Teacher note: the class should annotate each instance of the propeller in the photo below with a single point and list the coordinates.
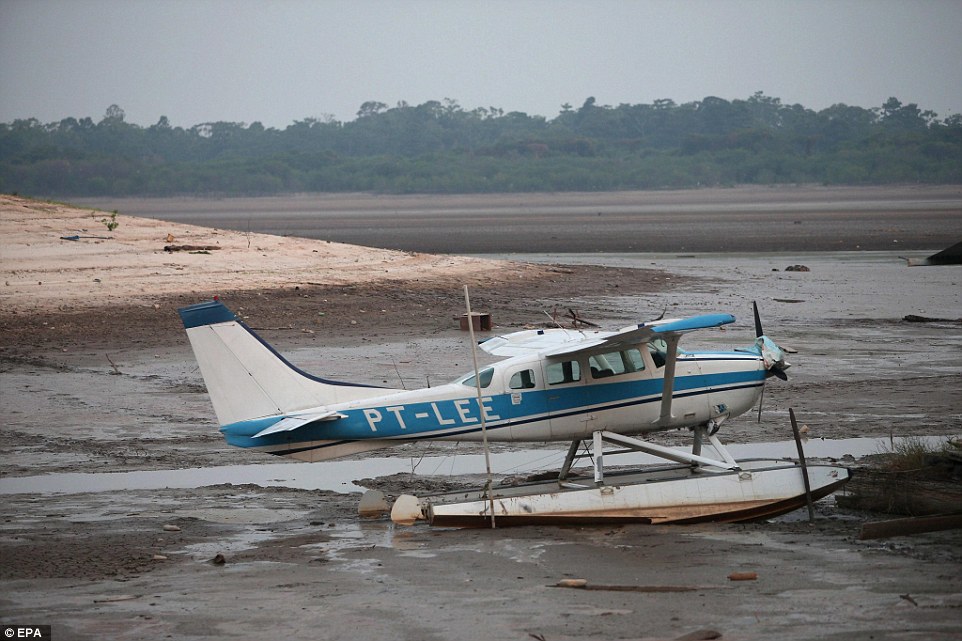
(758, 321)
(772, 354)
(761, 401)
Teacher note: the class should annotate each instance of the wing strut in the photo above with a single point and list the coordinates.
(668, 390)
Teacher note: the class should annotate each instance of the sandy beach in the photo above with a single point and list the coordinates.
(62, 258)
(96, 378)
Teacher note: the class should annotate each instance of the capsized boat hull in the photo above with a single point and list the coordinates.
(675, 494)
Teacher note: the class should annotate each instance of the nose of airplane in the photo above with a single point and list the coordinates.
(772, 354)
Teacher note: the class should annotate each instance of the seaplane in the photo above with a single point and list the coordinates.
(590, 389)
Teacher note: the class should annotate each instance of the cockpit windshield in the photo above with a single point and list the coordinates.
(659, 350)
(485, 377)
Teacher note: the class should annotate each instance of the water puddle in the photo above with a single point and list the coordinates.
(339, 476)
(233, 544)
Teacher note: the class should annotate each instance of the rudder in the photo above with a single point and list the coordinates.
(246, 378)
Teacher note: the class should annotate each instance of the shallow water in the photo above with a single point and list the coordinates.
(339, 476)
(844, 316)
(729, 219)
(840, 285)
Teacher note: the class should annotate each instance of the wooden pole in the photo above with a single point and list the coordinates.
(477, 386)
(801, 460)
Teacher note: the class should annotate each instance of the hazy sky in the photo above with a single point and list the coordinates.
(284, 60)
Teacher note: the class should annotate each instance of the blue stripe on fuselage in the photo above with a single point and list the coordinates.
(461, 416)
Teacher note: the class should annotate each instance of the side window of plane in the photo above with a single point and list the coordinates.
(560, 373)
(522, 380)
(616, 363)
(486, 376)
(633, 357)
(605, 365)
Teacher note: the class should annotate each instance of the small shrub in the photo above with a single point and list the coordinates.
(111, 222)
(915, 453)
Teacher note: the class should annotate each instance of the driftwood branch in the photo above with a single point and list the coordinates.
(190, 248)
(581, 584)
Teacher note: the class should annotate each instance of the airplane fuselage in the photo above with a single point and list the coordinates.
(531, 398)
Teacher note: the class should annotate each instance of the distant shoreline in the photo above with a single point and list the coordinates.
(737, 219)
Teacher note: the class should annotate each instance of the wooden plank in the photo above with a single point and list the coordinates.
(905, 527)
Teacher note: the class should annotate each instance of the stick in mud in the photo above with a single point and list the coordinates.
(801, 460)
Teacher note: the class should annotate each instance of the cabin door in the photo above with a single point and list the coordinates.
(566, 398)
(526, 408)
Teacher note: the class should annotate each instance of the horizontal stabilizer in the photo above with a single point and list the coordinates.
(294, 422)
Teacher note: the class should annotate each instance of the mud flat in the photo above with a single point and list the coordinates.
(96, 377)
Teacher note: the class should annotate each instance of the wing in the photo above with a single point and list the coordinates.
(297, 420)
(561, 342)
(538, 341)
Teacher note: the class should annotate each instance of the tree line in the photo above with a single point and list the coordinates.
(440, 147)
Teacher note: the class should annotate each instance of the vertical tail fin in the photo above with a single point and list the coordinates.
(246, 378)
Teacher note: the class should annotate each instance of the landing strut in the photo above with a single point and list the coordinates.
(628, 444)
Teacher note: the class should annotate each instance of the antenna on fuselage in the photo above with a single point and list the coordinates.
(398, 372)
(554, 320)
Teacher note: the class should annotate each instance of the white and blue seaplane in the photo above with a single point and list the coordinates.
(586, 388)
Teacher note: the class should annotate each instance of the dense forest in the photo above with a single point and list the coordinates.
(439, 147)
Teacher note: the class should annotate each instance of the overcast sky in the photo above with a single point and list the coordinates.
(279, 61)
